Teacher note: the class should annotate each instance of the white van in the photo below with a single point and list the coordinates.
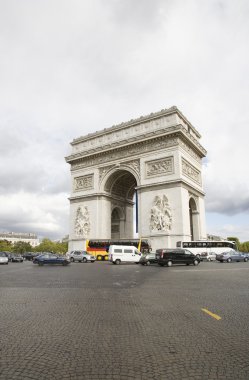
(124, 254)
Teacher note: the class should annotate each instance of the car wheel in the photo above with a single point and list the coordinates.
(169, 263)
(64, 263)
(148, 262)
(196, 262)
(208, 259)
(229, 260)
(187, 263)
(71, 259)
(161, 265)
(99, 258)
(40, 263)
(117, 261)
(92, 261)
(198, 256)
(84, 260)
(245, 259)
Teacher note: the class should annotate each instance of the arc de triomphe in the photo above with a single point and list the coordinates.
(154, 162)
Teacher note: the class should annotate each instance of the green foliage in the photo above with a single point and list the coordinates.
(6, 245)
(22, 247)
(236, 240)
(244, 247)
(50, 246)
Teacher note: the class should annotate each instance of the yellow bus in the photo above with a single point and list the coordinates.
(100, 247)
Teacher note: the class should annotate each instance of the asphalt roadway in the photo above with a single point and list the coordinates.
(103, 321)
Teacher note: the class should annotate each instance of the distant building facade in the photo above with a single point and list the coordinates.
(14, 237)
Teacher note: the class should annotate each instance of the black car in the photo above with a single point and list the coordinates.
(29, 256)
(172, 256)
(149, 258)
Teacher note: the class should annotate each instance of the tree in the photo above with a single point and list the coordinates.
(50, 246)
(22, 247)
(235, 239)
(5, 245)
(244, 247)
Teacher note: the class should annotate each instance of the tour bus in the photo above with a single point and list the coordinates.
(203, 247)
(100, 247)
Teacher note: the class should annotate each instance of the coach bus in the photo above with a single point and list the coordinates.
(100, 247)
(201, 247)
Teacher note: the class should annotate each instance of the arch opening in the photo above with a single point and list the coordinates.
(121, 186)
(193, 219)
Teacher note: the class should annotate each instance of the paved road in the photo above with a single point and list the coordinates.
(100, 321)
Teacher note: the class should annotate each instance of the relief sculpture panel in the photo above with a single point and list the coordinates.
(83, 183)
(82, 222)
(191, 172)
(160, 215)
(160, 167)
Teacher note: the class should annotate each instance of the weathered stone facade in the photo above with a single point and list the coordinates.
(158, 156)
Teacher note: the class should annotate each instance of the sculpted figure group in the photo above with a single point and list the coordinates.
(161, 217)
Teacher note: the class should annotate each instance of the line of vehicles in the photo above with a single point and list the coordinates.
(138, 251)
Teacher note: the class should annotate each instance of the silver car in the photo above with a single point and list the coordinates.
(4, 258)
(208, 256)
(81, 257)
(231, 256)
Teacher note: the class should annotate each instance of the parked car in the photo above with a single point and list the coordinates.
(29, 256)
(16, 258)
(148, 259)
(4, 258)
(172, 256)
(230, 256)
(81, 257)
(50, 258)
(208, 256)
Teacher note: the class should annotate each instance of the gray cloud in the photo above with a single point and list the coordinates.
(68, 68)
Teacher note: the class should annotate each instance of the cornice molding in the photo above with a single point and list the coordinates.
(138, 139)
(136, 121)
(177, 136)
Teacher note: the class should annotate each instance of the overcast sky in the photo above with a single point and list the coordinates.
(70, 67)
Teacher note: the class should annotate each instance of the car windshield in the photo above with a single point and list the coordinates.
(2, 254)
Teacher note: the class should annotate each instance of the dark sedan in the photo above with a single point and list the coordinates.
(50, 258)
(231, 256)
(148, 259)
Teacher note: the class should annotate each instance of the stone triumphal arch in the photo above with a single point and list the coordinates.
(155, 163)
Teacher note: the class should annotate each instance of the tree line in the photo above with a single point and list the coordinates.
(46, 245)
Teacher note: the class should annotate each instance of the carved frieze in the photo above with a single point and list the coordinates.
(160, 215)
(126, 151)
(82, 222)
(191, 172)
(160, 167)
(83, 183)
